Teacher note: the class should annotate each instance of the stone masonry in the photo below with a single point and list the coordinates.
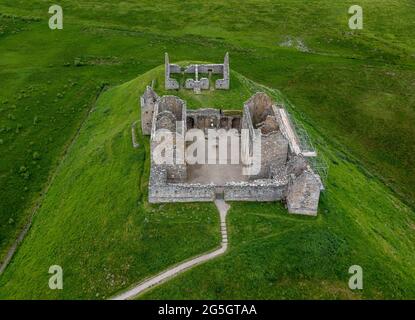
(197, 83)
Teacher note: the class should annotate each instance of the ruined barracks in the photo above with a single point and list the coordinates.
(285, 173)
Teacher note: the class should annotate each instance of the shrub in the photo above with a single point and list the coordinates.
(77, 62)
(24, 172)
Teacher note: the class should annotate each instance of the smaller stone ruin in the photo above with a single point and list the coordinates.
(197, 83)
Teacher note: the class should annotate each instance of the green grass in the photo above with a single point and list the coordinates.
(355, 89)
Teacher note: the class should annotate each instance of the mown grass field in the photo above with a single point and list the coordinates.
(354, 90)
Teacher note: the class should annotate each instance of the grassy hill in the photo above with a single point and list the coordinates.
(358, 86)
(96, 223)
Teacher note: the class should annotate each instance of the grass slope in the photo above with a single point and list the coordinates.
(95, 223)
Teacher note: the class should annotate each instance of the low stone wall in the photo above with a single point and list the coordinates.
(214, 68)
(172, 84)
(284, 175)
(304, 193)
(147, 104)
(258, 190)
(222, 84)
(202, 84)
(170, 68)
(274, 151)
(205, 68)
(175, 68)
(196, 84)
(160, 190)
(180, 192)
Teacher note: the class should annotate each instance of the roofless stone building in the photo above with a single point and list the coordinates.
(284, 172)
(196, 83)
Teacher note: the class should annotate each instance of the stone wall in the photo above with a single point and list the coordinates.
(159, 190)
(204, 68)
(147, 102)
(303, 193)
(257, 114)
(224, 83)
(284, 174)
(257, 190)
(209, 118)
(169, 83)
(274, 151)
(173, 105)
(181, 192)
(259, 107)
(175, 68)
(202, 84)
(172, 84)
(169, 114)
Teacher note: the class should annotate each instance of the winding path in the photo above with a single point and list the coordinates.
(223, 208)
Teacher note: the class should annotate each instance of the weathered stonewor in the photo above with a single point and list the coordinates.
(147, 103)
(197, 84)
(303, 193)
(224, 83)
(169, 83)
(284, 171)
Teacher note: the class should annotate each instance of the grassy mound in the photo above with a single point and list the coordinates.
(95, 222)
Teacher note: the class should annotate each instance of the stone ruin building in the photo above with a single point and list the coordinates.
(284, 175)
(197, 83)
